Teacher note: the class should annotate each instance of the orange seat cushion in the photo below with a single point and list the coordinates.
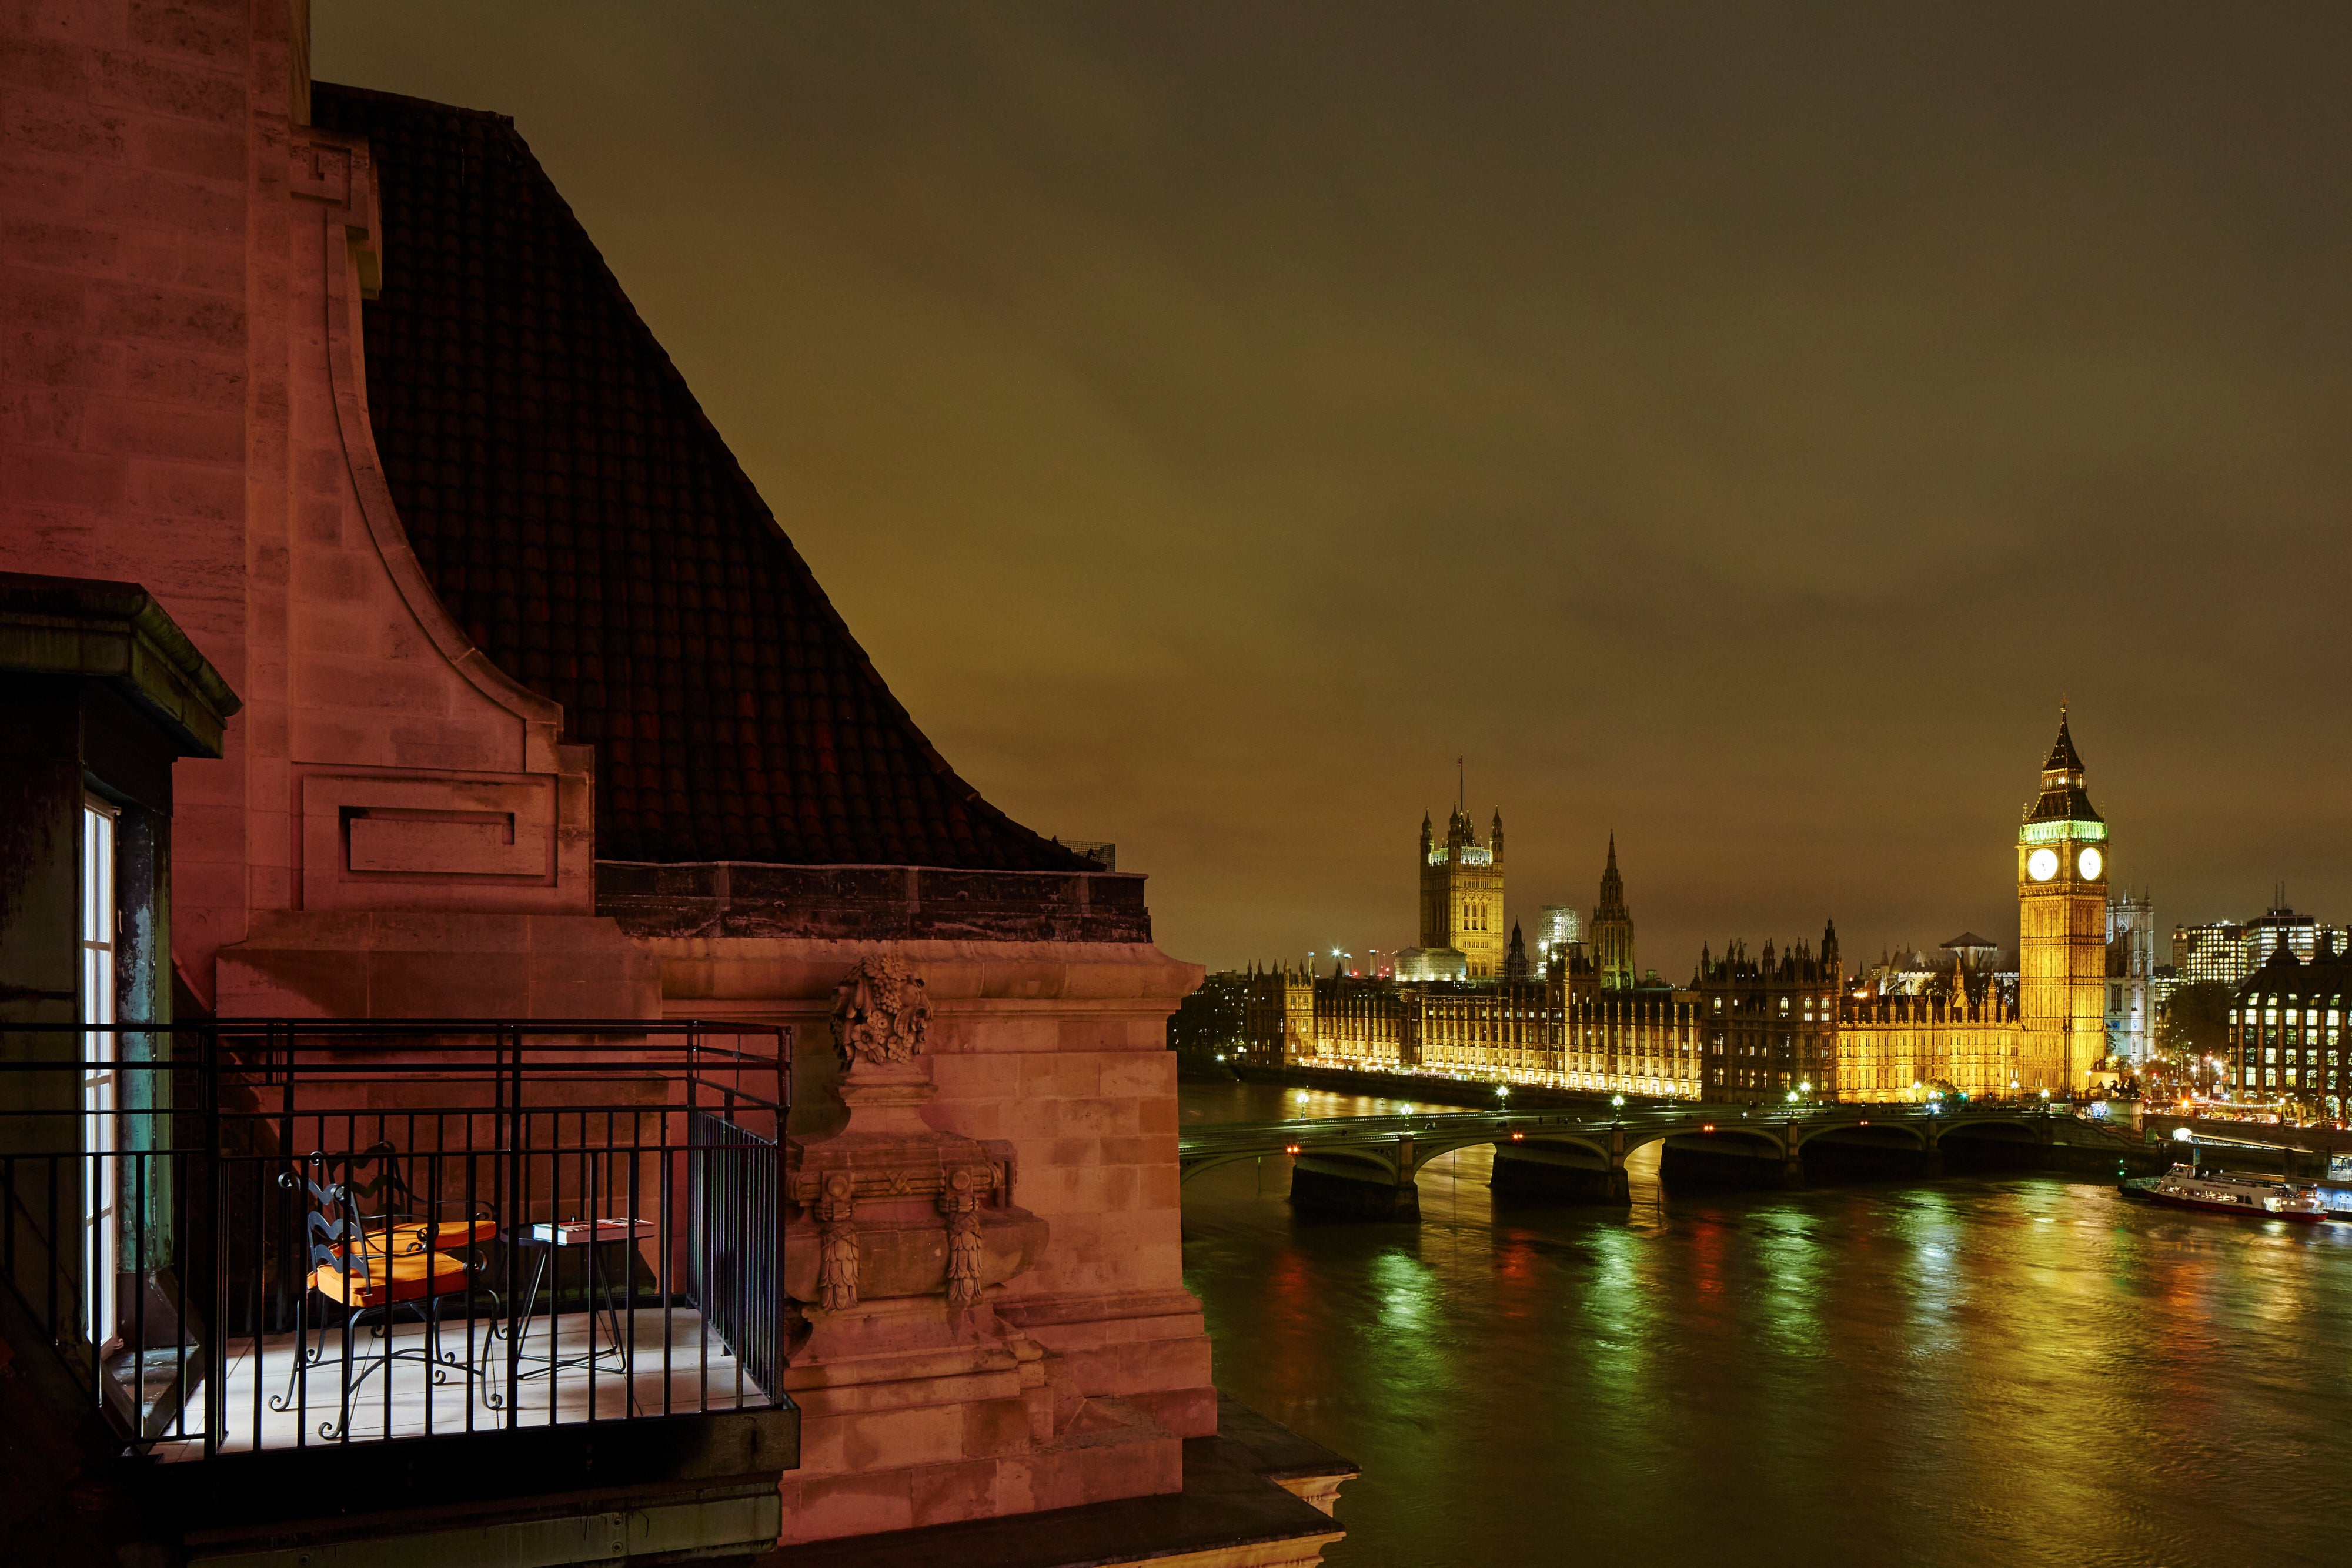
(404, 1277)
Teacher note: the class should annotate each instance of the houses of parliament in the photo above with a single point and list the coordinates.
(1467, 1002)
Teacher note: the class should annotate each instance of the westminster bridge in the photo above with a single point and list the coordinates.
(1367, 1165)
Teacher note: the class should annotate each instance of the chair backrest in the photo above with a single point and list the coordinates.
(331, 1225)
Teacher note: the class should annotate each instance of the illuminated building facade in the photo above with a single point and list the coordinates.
(2286, 1026)
(1769, 1025)
(1612, 929)
(2228, 952)
(1461, 902)
(1559, 928)
(2132, 992)
(2061, 952)
(1917, 1028)
(1628, 1041)
(1957, 1036)
(1755, 1030)
(1296, 1017)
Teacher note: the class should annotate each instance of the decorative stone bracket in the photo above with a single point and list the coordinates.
(890, 1206)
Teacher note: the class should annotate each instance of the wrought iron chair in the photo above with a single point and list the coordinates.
(392, 1259)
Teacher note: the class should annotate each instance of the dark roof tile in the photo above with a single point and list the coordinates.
(586, 525)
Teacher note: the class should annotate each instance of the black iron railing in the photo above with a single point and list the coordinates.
(279, 1234)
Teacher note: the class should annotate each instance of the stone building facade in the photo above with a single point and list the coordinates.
(1461, 903)
(1771, 1024)
(545, 717)
(2062, 889)
(1611, 935)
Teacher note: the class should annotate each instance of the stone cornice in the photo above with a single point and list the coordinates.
(115, 632)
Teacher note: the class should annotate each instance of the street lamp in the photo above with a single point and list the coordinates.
(1502, 1092)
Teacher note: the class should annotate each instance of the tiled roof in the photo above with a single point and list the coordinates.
(2062, 754)
(585, 523)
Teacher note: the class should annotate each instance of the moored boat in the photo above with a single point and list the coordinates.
(2243, 1193)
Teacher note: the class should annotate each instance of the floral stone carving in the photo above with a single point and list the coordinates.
(880, 1013)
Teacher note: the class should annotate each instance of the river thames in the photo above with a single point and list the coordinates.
(2014, 1369)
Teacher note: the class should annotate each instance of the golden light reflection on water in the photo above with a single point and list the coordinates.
(2004, 1370)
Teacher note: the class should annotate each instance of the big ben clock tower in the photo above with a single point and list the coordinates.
(2062, 897)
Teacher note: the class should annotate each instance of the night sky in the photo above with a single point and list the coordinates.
(1736, 425)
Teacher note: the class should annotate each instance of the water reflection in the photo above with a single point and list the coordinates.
(2010, 1370)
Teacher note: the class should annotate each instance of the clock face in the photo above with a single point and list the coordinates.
(2090, 863)
(2042, 864)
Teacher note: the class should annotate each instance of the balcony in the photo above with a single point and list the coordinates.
(308, 1272)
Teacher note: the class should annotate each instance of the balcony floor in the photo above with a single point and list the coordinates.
(700, 1375)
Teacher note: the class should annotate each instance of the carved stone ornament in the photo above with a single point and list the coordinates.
(837, 1257)
(880, 1013)
(959, 1202)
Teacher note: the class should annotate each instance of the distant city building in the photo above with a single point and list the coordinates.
(1515, 962)
(1567, 1025)
(2131, 975)
(2227, 952)
(2286, 1025)
(1558, 926)
(1433, 964)
(1212, 1024)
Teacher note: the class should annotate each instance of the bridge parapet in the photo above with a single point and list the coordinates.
(1574, 1154)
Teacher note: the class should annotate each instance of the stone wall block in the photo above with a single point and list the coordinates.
(992, 1428)
(174, 27)
(1097, 1115)
(175, 148)
(55, 477)
(193, 492)
(37, 416)
(38, 185)
(78, 247)
(941, 1494)
(169, 201)
(30, 358)
(822, 1509)
(1091, 1033)
(1135, 1469)
(43, 301)
(1186, 1412)
(176, 434)
(125, 78)
(50, 65)
(924, 1435)
(1140, 1076)
(65, 126)
(184, 317)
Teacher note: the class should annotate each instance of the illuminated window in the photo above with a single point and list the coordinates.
(99, 1176)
